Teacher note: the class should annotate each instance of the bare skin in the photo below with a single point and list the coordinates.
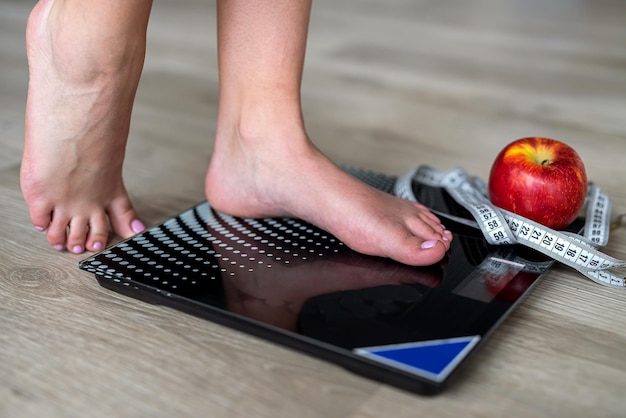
(85, 62)
(263, 164)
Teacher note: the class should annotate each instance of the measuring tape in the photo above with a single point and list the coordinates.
(501, 227)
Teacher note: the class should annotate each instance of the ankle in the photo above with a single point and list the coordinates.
(264, 127)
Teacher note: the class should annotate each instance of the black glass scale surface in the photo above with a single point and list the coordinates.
(291, 283)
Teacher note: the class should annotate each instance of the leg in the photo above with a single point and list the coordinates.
(265, 165)
(85, 60)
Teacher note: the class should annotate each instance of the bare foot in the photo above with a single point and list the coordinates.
(285, 175)
(77, 122)
(263, 163)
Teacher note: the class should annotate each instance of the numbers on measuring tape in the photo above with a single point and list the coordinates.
(598, 216)
(502, 227)
(524, 231)
(571, 254)
(536, 236)
(548, 241)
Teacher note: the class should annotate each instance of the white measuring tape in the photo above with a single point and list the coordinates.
(501, 227)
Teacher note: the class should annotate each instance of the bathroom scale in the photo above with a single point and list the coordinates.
(289, 282)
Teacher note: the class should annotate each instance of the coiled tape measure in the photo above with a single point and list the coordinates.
(501, 227)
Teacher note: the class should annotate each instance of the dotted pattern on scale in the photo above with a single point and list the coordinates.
(202, 244)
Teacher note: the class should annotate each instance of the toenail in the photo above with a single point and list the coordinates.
(39, 228)
(97, 245)
(58, 247)
(429, 244)
(77, 249)
(137, 226)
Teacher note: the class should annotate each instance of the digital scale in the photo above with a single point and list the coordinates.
(293, 284)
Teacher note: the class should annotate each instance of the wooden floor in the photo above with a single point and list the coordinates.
(388, 85)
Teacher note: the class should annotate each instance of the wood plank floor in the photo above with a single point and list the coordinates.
(388, 85)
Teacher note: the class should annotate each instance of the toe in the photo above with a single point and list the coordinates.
(423, 214)
(57, 231)
(98, 234)
(418, 252)
(428, 227)
(40, 216)
(427, 244)
(78, 234)
(124, 219)
(426, 212)
(425, 229)
(425, 253)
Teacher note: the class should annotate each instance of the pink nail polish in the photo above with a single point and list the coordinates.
(429, 244)
(77, 249)
(39, 228)
(97, 245)
(58, 247)
(137, 226)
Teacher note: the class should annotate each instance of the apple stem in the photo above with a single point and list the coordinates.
(546, 162)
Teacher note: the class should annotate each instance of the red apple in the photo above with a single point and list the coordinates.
(541, 179)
